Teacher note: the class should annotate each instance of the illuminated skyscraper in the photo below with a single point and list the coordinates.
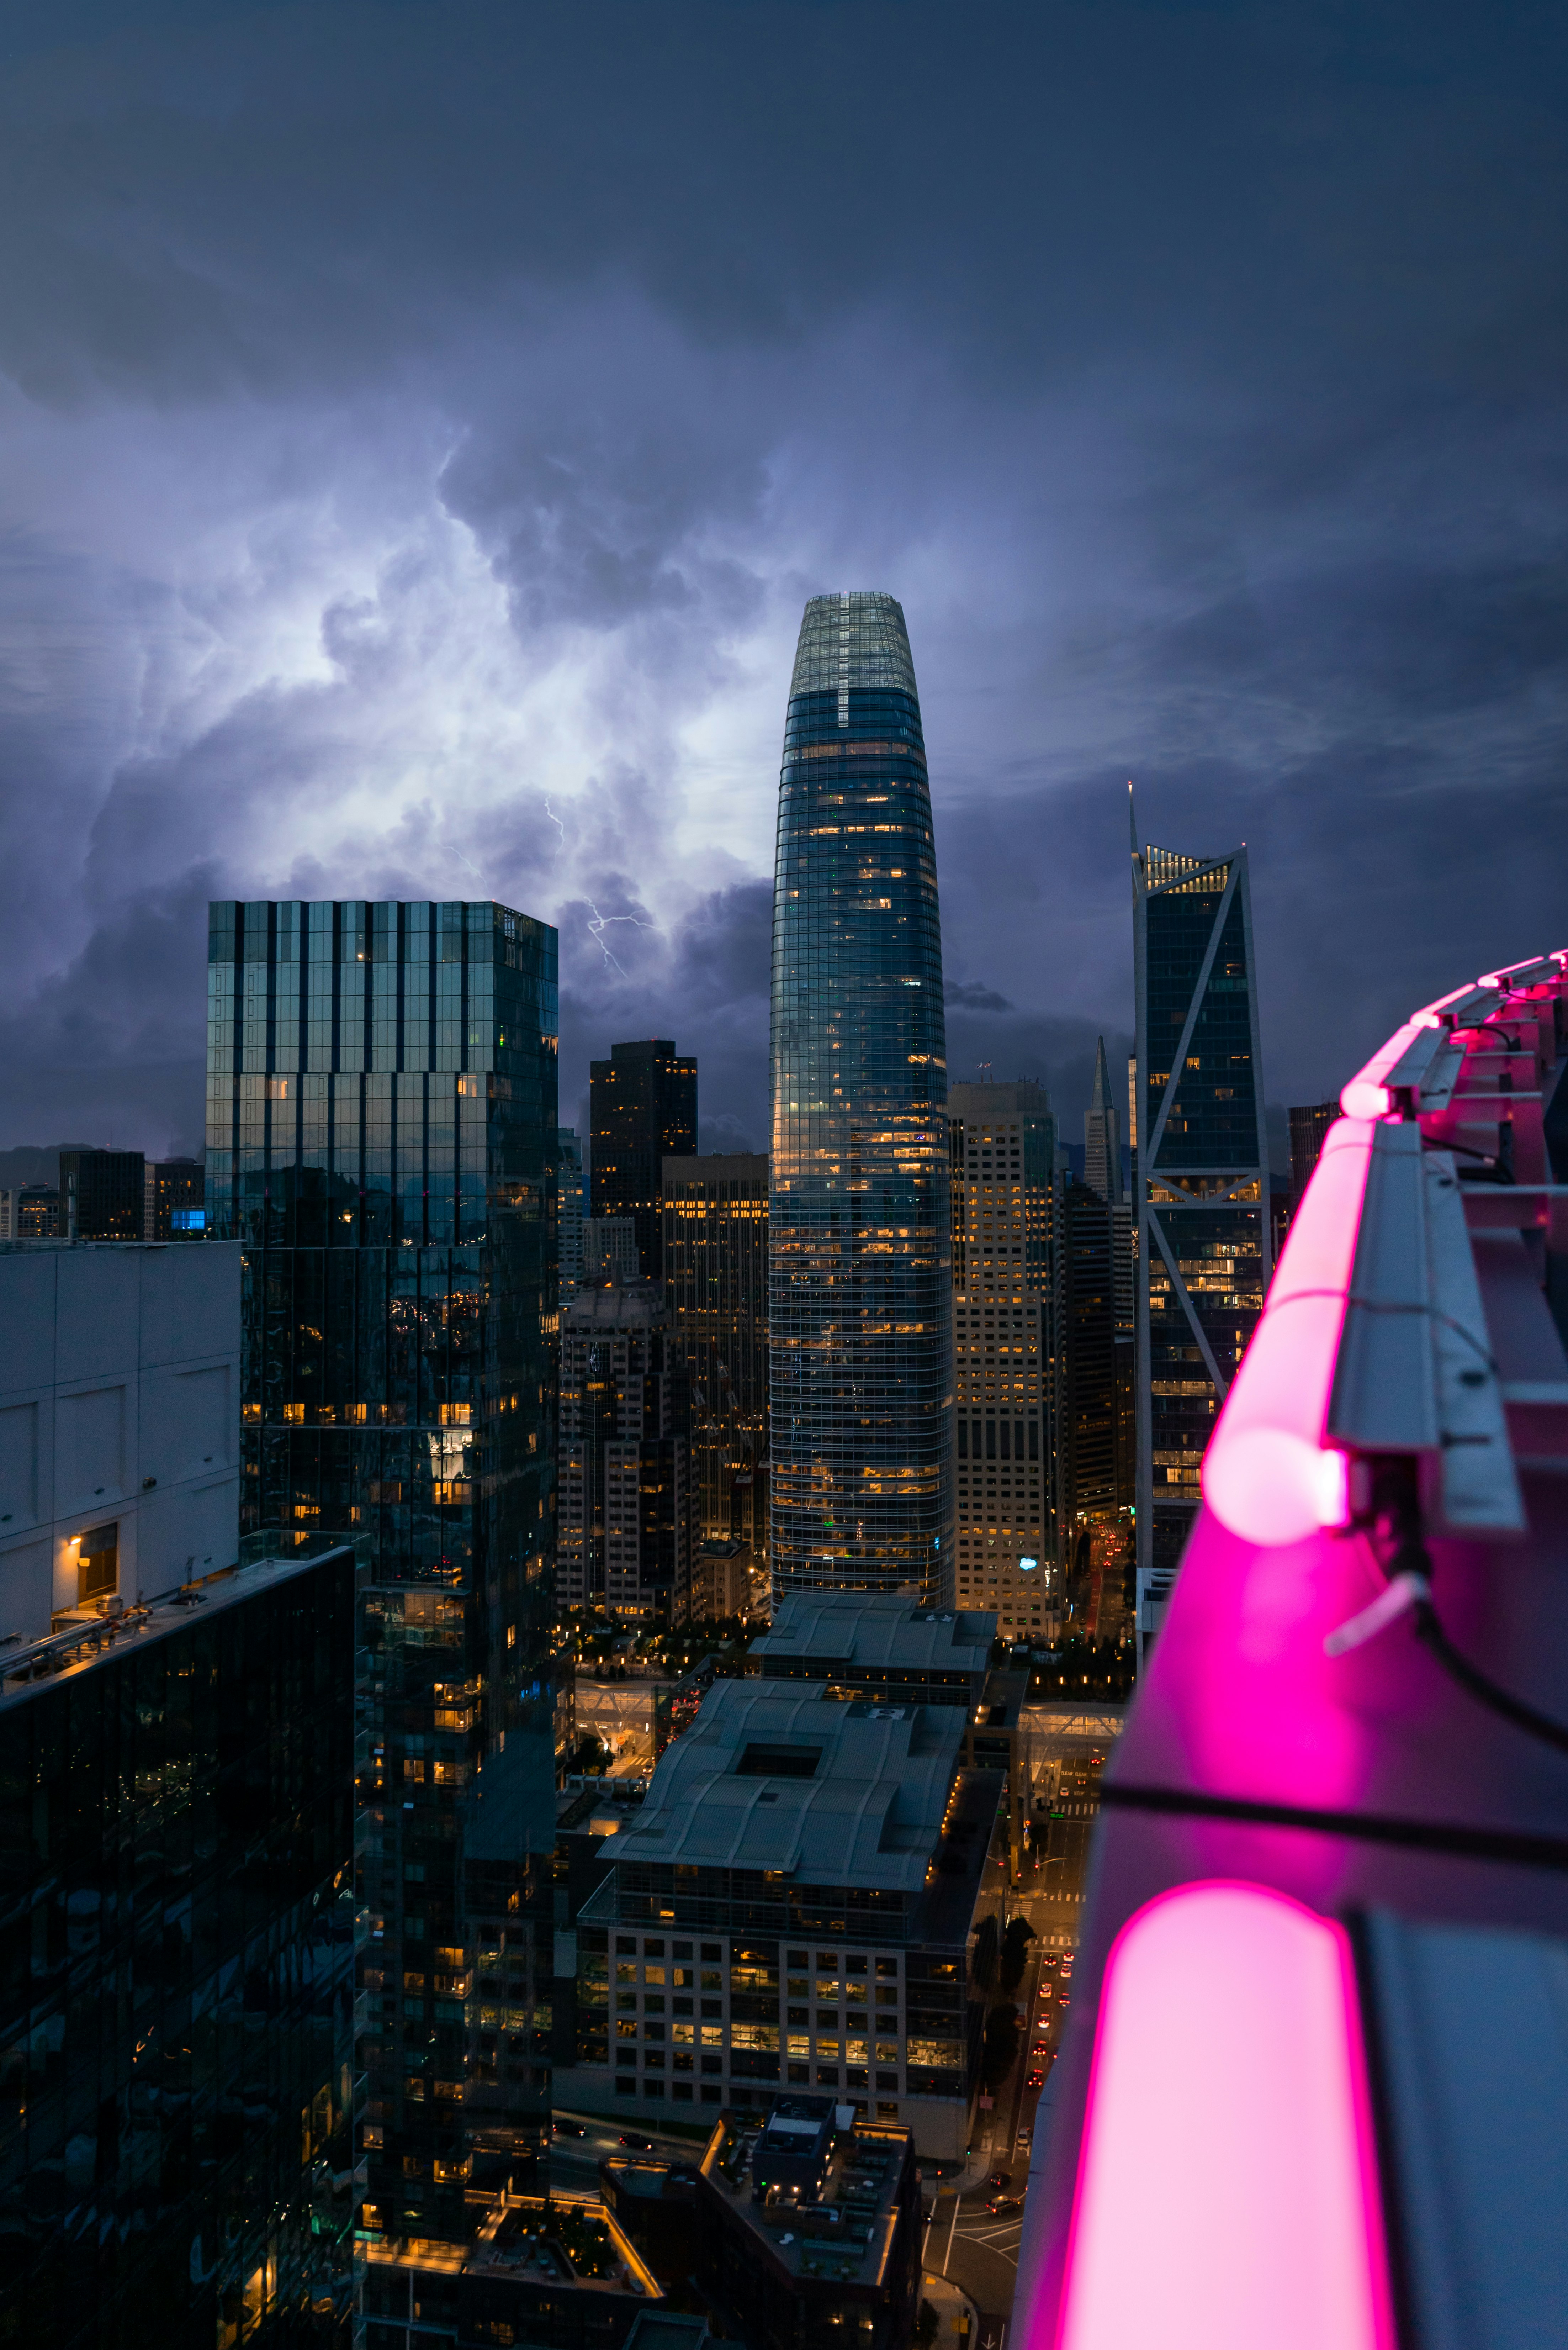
(716, 1279)
(1005, 1182)
(860, 1312)
(643, 1105)
(1202, 1170)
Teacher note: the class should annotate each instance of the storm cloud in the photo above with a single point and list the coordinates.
(421, 424)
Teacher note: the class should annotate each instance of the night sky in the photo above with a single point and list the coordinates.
(421, 425)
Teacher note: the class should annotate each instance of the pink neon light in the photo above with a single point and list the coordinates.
(1266, 1473)
(1227, 2194)
(1366, 1096)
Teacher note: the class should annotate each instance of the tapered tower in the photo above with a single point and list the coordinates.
(860, 1279)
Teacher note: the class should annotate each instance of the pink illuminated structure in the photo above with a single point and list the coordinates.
(1229, 2104)
(1314, 2086)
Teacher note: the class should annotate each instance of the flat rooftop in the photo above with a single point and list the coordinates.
(845, 2235)
(795, 1781)
(562, 2242)
(836, 1630)
(101, 1640)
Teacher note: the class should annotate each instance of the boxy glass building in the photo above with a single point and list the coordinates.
(381, 1137)
(860, 1305)
(177, 1945)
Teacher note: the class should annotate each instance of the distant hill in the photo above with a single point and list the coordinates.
(34, 1163)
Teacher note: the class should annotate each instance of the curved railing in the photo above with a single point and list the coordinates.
(1335, 1831)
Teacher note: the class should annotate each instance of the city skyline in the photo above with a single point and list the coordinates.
(461, 605)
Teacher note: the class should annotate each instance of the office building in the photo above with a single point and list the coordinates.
(573, 1205)
(643, 1105)
(1003, 1139)
(1309, 1124)
(102, 1194)
(809, 2227)
(608, 1251)
(1094, 1407)
(382, 1136)
(627, 1508)
(877, 1647)
(1203, 1241)
(120, 1413)
(860, 1303)
(174, 1200)
(177, 2129)
(716, 1279)
(793, 1907)
(30, 1212)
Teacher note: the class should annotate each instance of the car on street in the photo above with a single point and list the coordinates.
(1036, 2080)
(1001, 2203)
(638, 2145)
(1000, 2179)
(568, 2130)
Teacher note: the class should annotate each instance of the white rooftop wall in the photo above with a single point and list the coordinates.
(120, 1386)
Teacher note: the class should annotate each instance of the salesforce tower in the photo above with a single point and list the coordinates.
(860, 1291)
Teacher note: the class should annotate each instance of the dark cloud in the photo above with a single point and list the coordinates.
(421, 425)
(974, 997)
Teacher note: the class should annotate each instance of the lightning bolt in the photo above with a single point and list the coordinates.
(601, 923)
(555, 819)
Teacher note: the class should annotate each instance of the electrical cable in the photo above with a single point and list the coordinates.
(1407, 1573)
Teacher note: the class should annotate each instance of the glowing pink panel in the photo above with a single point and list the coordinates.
(1265, 1473)
(1227, 2194)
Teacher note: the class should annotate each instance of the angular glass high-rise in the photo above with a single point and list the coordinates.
(860, 1271)
(382, 1136)
(1203, 1242)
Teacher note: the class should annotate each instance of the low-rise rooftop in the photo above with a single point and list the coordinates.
(830, 1631)
(803, 1783)
(839, 2227)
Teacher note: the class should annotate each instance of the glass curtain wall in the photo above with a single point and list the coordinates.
(860, 1306)
(177, 1992)
(382, 1136)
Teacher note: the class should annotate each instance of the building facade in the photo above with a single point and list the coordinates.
(626, 1505)
(643, 1107)
(381, 1137)
(1309, 1124)
(1103, 1135)
(1003, 1139)
(120, 1417)
(102, 1194)
(1095, 1404)
(860, 1305)
(572, 1207)
(177, 2129)
(793, 1907)
(608, 1251)
(1203, 1240)
(174, 1200)
(716, 1280)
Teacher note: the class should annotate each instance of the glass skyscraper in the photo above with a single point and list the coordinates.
(860, 1274)
(1201, 1175)
(381, 1137)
